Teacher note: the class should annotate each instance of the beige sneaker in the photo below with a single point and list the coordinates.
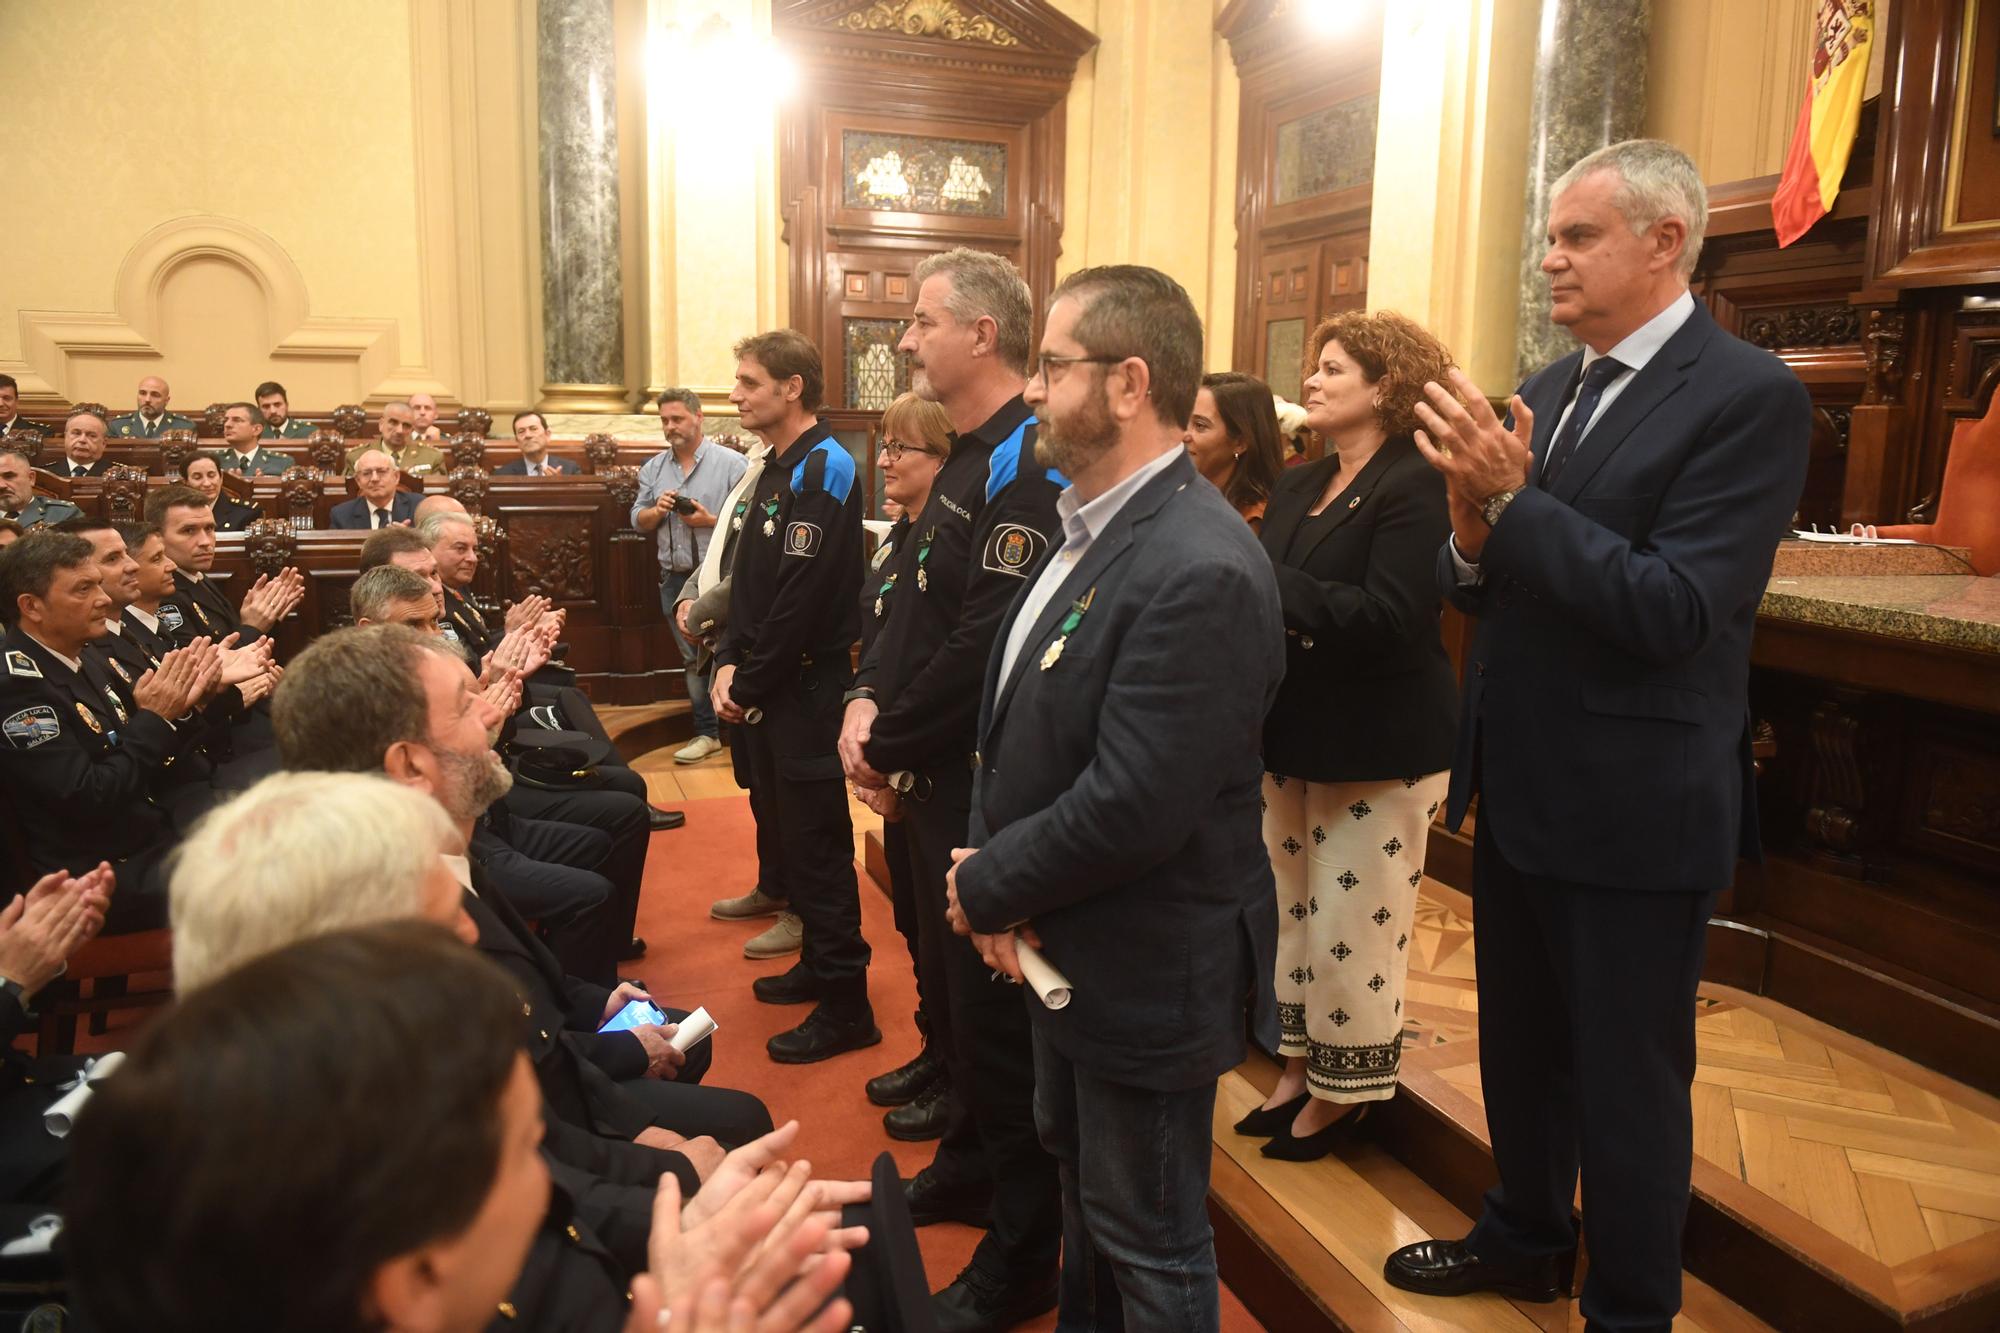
(785, 936)
(752, 904)
(698, 749)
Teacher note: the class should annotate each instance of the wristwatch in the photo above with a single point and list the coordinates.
(858, 692)
(15, 990)
(1496, 505)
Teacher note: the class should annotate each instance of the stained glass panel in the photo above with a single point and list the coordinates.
(1284, 356)
(913, 173)
(1331, 149)
(876, 371)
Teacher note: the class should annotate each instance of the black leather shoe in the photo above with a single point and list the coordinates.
(658, 820)
(1283, 1147)
(931, 1201)
(635, 949)
(795, 985)
(1263, 1122)
(905, 1083)
(1447, 1268)
(979, 1303)
(824, 1035)
(925, 1118)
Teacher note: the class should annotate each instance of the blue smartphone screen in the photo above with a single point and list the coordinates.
(638, 1013)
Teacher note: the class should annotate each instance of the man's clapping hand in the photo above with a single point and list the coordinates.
(243, 664)
(170, 689)
(525, 612)
(271, 600)
(40, 929)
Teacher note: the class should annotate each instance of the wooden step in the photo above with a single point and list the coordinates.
(1302, 1243)
(638, 728)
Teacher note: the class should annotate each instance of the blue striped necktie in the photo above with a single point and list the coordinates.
(1596, 380)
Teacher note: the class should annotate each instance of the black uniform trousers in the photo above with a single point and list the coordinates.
(618, 812)
(795, 762)
(770, 849)
(903, 901)
(1586, 1053)
(979, 1026)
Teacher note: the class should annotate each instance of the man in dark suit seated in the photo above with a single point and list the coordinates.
(1115, 818)
(1611, 539)
(199, 607)
(83, 446)
(379, 503)
(152, 419)
(531, 432)
(204, 473)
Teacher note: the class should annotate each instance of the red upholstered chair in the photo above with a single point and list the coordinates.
(107, 965)
(1968, 505)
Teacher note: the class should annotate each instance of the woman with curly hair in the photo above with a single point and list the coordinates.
(1232, 437)
(1358, 745)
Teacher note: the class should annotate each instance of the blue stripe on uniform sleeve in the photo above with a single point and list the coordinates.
(836, 470)
(1004, 464)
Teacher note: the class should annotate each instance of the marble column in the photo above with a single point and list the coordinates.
(583, 299)
(1590, 90)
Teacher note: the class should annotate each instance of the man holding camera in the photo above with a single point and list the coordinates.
(680, 490)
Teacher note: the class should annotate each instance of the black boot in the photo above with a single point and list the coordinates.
(925, 1118)
(979, 1302)
(933, 1200)
(906, 1083)
(794, 986)
(829, 1030)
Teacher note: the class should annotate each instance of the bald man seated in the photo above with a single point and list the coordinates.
(397, 429)
(152, 419)
(380, 503)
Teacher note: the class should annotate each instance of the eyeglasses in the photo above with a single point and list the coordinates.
(1047, 359)
(894, 450)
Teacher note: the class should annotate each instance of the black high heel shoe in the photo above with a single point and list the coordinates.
(1286, 1148)
(1263, 1122)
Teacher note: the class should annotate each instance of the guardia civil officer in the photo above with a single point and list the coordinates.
(794, 611)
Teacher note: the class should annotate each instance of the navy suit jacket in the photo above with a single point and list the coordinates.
(519, 467)
(1606, 724)
(1116, 803)
(356, 513)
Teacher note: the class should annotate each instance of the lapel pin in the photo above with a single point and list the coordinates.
(1355, 503)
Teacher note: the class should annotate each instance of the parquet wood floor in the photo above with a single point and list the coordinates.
(1885, 1160)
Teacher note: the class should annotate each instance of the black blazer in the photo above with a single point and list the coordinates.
(1368, 692)
(233, 515)
(355, 513)
(1116, 798)
(1607, 719)
(519, 467)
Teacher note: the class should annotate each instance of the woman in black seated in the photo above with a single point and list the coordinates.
(1358, 745)
(204, 473)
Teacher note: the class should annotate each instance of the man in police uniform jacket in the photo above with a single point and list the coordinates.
(1116, 813)
(80, 778)
(794, 611)
(199, 607)
(914, 713)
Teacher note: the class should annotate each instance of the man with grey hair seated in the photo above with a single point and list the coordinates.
(392, 595)
(1611, 539)
(388, 699)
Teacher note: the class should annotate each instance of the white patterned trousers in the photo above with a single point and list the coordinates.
(1348, 857)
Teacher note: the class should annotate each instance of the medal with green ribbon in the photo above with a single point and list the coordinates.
(888, 586)
(771, 517)
(1077, 610)
(923, 554)
(736, 519)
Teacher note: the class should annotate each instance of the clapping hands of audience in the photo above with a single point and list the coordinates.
(525, 612)
(240, 665)
(270, 600)
(260, 687)
(40, 929)
(184, 675)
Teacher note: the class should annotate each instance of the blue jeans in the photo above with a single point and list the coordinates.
(697, 681)
(1137, 1251)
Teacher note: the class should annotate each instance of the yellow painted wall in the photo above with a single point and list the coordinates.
(328, 194)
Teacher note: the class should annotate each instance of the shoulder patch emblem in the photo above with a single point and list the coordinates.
(170, 616)
(802, 539)
(31, 727)
(20, 664)
(1013, 549)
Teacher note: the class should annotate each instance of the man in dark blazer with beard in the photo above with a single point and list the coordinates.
(1611, 540)
(1115, 821)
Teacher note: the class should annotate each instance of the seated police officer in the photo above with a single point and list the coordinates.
(198, 606)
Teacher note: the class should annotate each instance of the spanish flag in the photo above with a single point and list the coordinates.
(1843, 30)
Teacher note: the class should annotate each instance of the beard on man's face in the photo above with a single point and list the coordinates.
(475, 781)
(1072, 442)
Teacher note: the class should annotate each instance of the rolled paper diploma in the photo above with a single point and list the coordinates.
(61, 1116)
(1050, 986)
(753, 715)
(694, 1028)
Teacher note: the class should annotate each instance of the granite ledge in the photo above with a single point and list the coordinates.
(1948, 610)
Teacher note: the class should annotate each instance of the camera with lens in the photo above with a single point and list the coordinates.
(682, 505)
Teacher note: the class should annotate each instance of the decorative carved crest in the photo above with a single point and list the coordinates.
(98, 410)
(124, 493)
(558, 567)
(176, 447)
(475, 421)
(211, 419)
(1884, 343)
(466, 449)
(326, 449)
(599, 451)
(298, 490)
(467, 485)
(270, 543)
(350, 419)
(928, 18)
(1826, 325)
(622, 485)
(486, 535)
(28, 442)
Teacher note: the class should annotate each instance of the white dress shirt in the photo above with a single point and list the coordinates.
(1082, 524)
(1637, 349)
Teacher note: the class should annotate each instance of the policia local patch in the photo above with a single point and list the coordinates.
(802, 539)
(1013, 549)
